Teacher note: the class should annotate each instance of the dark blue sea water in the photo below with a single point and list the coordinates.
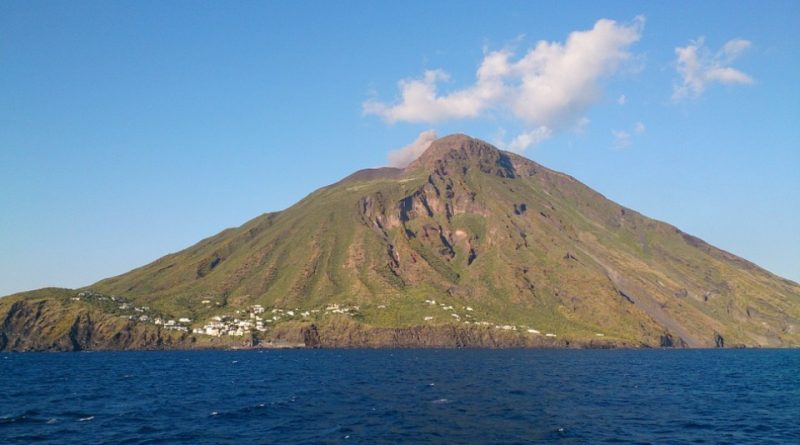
(402, 396)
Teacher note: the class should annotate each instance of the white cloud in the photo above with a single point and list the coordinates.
(550, 86)
(559, 82)
(699, 68)
(403, 156)
(421, 102)
(527, 139)
(622, 99)
(622, 138)
(581, 125)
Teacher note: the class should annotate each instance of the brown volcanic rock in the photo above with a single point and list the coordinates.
(457, 153)
(42, 326)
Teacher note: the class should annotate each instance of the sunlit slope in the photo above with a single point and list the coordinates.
(469, 225)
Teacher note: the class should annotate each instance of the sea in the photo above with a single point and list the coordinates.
(409, 396)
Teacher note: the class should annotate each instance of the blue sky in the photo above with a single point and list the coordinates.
(129, 130)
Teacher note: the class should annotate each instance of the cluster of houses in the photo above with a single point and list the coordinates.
(469, 319)
(130, 311)
(242, 323)
(89, 295)
(255, 318)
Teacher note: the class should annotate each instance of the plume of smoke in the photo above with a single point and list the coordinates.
(401, 157)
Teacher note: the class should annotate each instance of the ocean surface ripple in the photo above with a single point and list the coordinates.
(402, 396)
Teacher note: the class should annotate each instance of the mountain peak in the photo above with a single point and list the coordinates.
(537, 260)
(465, 151)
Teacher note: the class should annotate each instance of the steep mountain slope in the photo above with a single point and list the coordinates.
(512, 253)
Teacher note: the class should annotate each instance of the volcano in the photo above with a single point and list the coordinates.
(467, 246)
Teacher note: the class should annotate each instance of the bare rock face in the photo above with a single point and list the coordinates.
(458, 153)
(311, 337)
(668, 341)
(348, 334)
(48, 326)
